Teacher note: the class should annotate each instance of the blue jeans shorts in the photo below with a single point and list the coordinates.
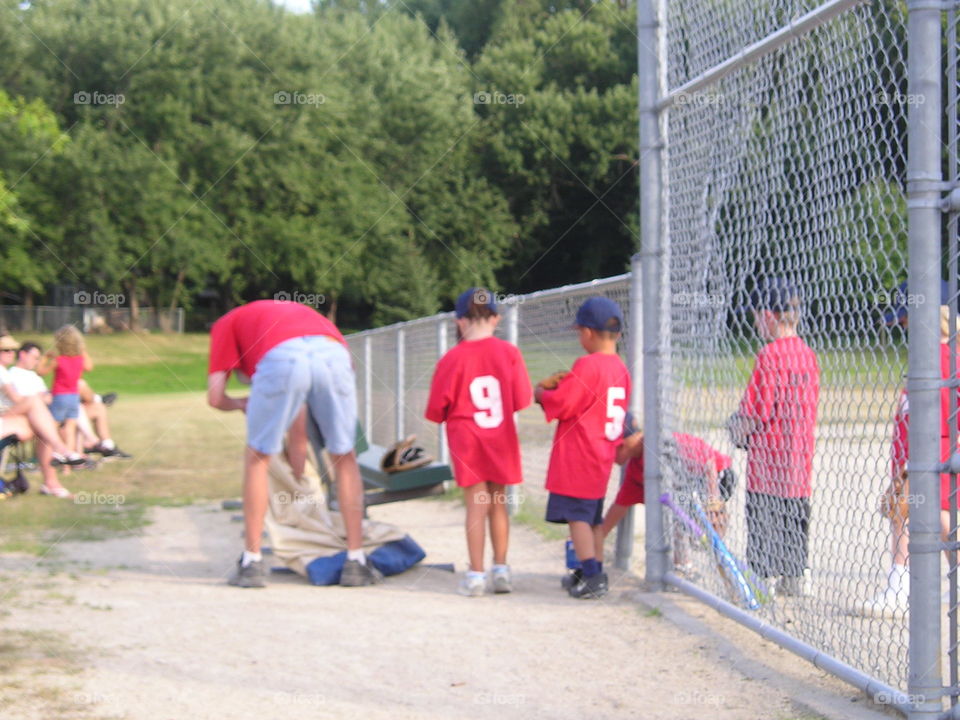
(65, 407)
(315, 370)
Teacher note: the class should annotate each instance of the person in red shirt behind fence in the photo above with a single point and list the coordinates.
(775, 424)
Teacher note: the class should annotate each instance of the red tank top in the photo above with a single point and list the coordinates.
(67, 375)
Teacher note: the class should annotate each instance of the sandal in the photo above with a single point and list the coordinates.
(70, 459)
(60, 492)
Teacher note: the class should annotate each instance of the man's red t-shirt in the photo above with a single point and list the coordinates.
(66, 377)
(591, 404)
(477, 387)
(245, 334)
(694, 453)
(781, 399)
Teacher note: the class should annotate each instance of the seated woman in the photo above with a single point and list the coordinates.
(28, 417)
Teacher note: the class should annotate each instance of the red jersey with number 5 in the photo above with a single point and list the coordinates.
(591, 404)
(477, 387)
(781, 400)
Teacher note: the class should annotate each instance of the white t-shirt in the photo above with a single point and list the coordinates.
(5, 402)
(27, 382)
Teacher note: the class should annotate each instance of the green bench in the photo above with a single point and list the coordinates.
(381, 487)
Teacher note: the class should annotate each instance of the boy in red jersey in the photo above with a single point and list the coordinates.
(591, 403)
(476, 388)
(707, 468)
(293, 356)
(779, 412)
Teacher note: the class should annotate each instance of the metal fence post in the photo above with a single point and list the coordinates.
(513, 337)
(443, 452)
(924, 177)
(649, 13)
(626, 530)
(401, 380)
(368, 386)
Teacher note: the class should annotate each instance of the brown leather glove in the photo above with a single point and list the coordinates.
(551, 381)
(894, 503)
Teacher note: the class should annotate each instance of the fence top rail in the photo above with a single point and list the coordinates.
(510, 300)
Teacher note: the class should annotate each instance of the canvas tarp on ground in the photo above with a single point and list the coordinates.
(309, 538)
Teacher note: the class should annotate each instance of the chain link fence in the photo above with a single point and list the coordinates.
(780, 130)
(47, 318)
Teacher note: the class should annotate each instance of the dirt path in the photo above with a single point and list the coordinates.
(143, 628)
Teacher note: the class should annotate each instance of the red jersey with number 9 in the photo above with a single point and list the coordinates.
(591, 405)
(477, 387)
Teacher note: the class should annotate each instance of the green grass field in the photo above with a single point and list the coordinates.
(183, 451)
(144, 363)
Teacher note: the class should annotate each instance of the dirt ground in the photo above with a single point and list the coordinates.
(144, 628)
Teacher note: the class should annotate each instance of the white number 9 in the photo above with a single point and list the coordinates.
(487, 398)
(615, 414)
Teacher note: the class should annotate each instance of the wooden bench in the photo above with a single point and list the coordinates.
(381, 487)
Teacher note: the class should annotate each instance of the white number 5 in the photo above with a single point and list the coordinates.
(615, 413)
(486, 396)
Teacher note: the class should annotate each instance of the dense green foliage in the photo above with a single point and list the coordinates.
(373, 157)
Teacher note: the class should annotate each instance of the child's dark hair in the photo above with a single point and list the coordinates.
(479, 306)
(611, 330)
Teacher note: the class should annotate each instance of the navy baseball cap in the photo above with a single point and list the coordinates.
(598, 312)
(480, 296)
(900, 301)
(776, 294)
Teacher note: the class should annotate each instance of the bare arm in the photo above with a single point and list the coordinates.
(87, 362)
(711, 474)
(631, 447)
(217, 394)
(47, 363)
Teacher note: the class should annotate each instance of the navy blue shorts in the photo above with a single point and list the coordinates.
(564, 509)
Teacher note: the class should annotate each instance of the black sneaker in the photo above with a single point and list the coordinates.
(111, 452)
(590, 588)
(357, 574)
(108, 399)
(250, 576)
(571, 579)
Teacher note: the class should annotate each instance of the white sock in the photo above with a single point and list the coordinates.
(899, 578)
(98, 398)
(501, 568)
(476, 574)
(249, 557)
(357, 555)
(108, 444)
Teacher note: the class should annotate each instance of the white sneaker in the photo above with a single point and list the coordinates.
(888, 603)
(502, 580)
(794, 586)
(473, 585)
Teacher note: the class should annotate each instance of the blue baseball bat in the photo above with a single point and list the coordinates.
(727, 560)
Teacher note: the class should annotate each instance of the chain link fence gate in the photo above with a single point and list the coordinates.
(774, 167)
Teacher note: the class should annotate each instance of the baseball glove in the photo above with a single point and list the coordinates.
(551, 381)
(404, 455)
(740, 427)
(894, 503)
(717, 514)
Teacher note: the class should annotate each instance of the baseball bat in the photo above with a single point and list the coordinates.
(727, 560)
(691, 524)
(697, 532)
